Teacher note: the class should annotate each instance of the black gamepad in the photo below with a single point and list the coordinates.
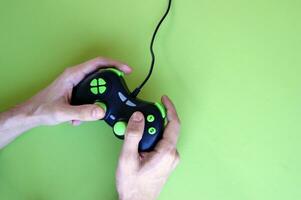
(107, 88)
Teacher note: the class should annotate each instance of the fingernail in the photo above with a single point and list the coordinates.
(127, 68)
(97, 113)
(137, 116)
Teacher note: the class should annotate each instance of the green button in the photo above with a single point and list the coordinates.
(93, 82)
(152, 130)
(102, 89)
(94, 90)
(102, 105)
(101, 81)
(161, 108)
(119, 128)
(150, 118)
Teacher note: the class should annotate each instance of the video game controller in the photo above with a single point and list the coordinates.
(107, 88)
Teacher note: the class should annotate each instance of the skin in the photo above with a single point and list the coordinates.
(142, 176)
(138, 176)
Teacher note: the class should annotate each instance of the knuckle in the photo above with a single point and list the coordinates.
(134, 130)
(84, 114)
(99, 58)
(169, 150)
(172, 156)
(68, 73)
(177, 122)
(166, 146)
(68, 70)
(132, 134)
(176, 125)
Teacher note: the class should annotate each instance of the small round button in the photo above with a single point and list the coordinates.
(150, 118)
(119, 128)
(152, 130)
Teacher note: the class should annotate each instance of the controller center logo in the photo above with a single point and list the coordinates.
(98, 86)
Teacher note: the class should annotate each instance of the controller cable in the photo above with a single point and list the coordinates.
(138, 89)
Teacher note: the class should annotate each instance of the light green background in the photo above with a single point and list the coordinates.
(232, 68)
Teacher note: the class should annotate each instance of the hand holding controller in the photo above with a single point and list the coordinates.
(107, 88)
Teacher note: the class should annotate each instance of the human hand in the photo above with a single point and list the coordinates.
(142, 176)
(52, 105)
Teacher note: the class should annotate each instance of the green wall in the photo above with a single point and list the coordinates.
(232, 68)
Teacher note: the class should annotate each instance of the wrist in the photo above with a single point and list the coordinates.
(15, 122)
(22, 117)
(32, 115)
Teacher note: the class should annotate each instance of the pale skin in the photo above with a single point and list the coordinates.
(139, 175)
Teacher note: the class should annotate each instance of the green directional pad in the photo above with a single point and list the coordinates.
(98, 86)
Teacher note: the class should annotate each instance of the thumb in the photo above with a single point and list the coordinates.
(133, 136)
(88, 112)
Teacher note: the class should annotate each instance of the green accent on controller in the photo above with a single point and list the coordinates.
(161, 108)
(98, 86)
(116, 71)
(102, 105)
(165, 121)
(152, 130)
(150, 118)
(119, 128)
(94, 90)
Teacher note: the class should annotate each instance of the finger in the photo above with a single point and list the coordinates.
(133, 136)
(75, 122)
(80, 113)
(171, 132)
(77, 73)
(107, 62)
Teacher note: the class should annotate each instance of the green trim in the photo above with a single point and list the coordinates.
(165, 121)
(119, 128)
(116, 71)
(161, 108)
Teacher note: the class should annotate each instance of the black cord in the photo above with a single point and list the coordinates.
(137, 90)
